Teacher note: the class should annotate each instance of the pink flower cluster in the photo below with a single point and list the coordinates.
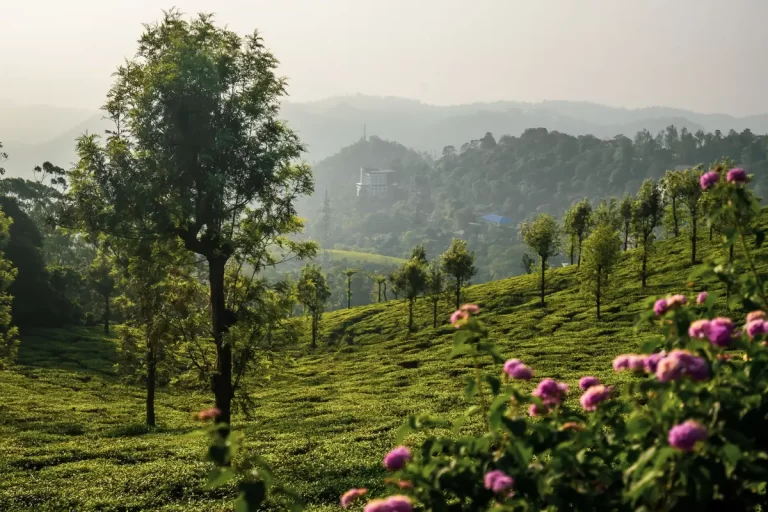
(685, 435)
(719, 331)
(756, 324)
(587, 382)
(397, 503)
(669, 303)
(666, 367)
(709, 180)
(498, 481)
(593, 396)
(702, 298)
(515, 369)
(551, 393)
(397, 458)
(461, 315)
(737, 175)
(351, 496)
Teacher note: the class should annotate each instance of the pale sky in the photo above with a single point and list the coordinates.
(703, 55)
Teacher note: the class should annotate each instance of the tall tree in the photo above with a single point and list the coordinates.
(542, 236)
(412, 278)
(9, 342)
(458, 263)
(691, 192)
(647, 214)
(580, 221)
(625, 211)
(198, 152)
(380, 282)
(435, 288)
(312, 291)
(349, 273)
(419, 254)
(602, 250)
(671, 188)
(102, 279)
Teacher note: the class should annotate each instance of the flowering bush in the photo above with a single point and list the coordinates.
(686, 431)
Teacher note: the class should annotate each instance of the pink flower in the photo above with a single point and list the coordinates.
(472, 309)
(679, 363)
(521, 372)
(377, 506)
(660, 307)
(702, 298)
(756, 328)
(397, 503)
(699, 329)
(737, 175)
(756, 315)
(708, 180)
(397, 458)
(510, 364)
(459, 318)
(498, 481)
(675, 301)
(550, 391)
(537, 410)
(621, 362)
(720, 331)
(685, 436)
(652, 361)
(209, 414)
(350, 496)
(587, 382)
(636, 363)
(593, 396)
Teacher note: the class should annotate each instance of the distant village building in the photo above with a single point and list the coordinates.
(497, 220)
(374, 182)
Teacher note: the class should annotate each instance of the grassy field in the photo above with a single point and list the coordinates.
(71, 436)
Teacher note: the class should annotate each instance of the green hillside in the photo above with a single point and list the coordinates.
(352, 256)
(71, 436)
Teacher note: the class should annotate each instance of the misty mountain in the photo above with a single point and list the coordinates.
(34, 134)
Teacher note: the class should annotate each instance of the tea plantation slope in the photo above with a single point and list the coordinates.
(71, 436)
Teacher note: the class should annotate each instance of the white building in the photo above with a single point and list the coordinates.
(374, 181)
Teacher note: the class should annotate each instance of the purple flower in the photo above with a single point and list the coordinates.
(699, 329)
(679, 363)
(587, 382)
(652, 361)
(550, 391)
(756, 328)
(537, 410)
(737, 175)
(593, 396)
(521, 372)
(350, 496)
(376, 506)
(675, 301)
(685, 436)
(498, 481)
(708, 180)
(397, 503)
(668, 369)
(756, 315)
(397, 458)
(510, 364)
(702, 298)
(636, 363)
(621, 362)
(660, 307)
(720, 331)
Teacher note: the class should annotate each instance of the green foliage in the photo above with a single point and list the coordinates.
(9, 343)
(458, 263)
(601, 255)
(312, 291)
(542, 236)
(577, 222)
(647, 213)
(412, 279)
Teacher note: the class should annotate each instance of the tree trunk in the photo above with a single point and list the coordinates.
(410, 314)
(314, 329)
(572, 251)
(349, 292)
(645, 261)
(543, 266)
(626, 235)
(579, 262)
(693, 238)
(220, 320)
(151, 379)
(106, 314)
(434, 314)
(385, 292)
(674, 217)
(458, 293)
(599, 272)
(379, 297)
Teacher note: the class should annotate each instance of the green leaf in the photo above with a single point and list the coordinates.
(663, 456)
(497, 410)
(251, 496)
(405, 429)
(649, 347)
(732, 455)
(759, 238)
(495, 384)
(470, 388)
(460, 350)
(514, 427)
(218, 477)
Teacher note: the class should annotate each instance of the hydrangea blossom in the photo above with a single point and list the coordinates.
(594, 396)
(551, 392)
(679, 363)
(699, 329)
(652, 361)
(537, 410)
(350, 496)
(677, 300)
(721, 331)
(521, 372)
(755, 315)
(660, 307)
(708, 180)
(756, 328)
(685, 435)
(737, 175)
(397, 458)
(498, 481)
(397, 503)
(587, 382)
(702, 298)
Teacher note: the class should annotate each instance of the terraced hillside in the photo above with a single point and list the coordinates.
(71, 436)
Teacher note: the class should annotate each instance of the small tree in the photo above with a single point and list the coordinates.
(601, 253)
(312, 292)
(435, 288)
(528, 263)
(690, 193)
(577, 222)
(348, 273)
(412, 279)
(607, 212)
(419, 254)
(381, 284)
(625, 212)
(392, 278)
(672, 190)
(647, 213)
(542, 236)
(458, 263)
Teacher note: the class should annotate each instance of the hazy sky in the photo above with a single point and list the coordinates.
(704, 55)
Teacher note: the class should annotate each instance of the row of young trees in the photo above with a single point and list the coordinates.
(597, 233)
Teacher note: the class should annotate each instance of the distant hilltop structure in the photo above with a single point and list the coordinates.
(374, 182)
